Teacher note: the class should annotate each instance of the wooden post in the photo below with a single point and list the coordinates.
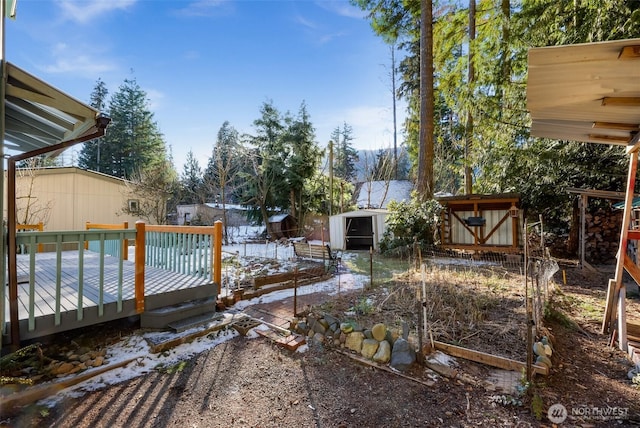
(217, 254)
(371, 266)
(583, 205)
(619, 292)
(12, 251)
(530, 325)
(125, 244)
(295, 291)
(139, 265)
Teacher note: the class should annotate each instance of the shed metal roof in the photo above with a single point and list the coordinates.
(586, 92)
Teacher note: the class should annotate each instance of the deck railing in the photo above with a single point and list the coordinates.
(189, 250)
(112, 247)
(58, 238)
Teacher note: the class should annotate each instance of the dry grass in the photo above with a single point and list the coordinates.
(479, 308)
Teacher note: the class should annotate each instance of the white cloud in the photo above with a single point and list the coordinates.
(206, 8)
(83, 11)
(68, 61)
(341, 8)
(372, 125)
(305, 22)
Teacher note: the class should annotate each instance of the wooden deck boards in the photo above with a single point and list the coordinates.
(157, 281)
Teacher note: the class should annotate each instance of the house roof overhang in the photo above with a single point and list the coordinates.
(41, 119)
(586, 92)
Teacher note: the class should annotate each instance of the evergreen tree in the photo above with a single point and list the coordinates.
(502, 156)
(90, 156)
(132, 142)
(191, 184)
(220, 177)
(282, 157)
(302, 162)
(263, 177)
(345, 156)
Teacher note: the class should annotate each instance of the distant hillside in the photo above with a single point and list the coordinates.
(366, 160)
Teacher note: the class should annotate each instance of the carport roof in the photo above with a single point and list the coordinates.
(586, 92)
(41, 119)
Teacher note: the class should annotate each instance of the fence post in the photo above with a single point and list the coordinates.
(217, 254)
(125, 243)
(139, 265)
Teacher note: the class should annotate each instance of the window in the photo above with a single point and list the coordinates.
(133, 205)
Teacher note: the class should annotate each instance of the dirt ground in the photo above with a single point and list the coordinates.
(251, 382)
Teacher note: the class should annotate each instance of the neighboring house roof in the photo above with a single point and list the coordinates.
(50, 170)
(277, 218)
(378, 194)
(365, 212)
(226, 206)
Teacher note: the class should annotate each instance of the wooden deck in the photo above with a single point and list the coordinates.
(162, 288)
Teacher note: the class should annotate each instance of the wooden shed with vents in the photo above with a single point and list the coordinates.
(481, 222)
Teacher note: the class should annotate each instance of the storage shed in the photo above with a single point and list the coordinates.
(283, 226)
(481, 222)
(357, 230)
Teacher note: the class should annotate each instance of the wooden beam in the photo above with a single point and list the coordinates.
(632, 268)
(608, 307)
(13, 403)
(611, 139)
(488, 359)
(621, 101)
(495, 228)
(634, 144)
(617, 126)
(630, 52)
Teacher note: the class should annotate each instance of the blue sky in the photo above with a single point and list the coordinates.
(206, 61)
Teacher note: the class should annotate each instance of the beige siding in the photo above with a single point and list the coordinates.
(69, 197)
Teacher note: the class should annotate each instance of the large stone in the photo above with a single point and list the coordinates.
(331, 319)
(368, 334)
(354, 341)
(324, 323)
(543, 359)
(379, 332)
(391, 336)
(405, 330)
(318, 338)
(369, 348)
(302, 327)
(402, 355)
(319, 327)
(346, 327)
(383, 354)
(538, 348)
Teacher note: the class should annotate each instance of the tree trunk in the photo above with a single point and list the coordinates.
(574, 229)
(468, 181)
(426, 151)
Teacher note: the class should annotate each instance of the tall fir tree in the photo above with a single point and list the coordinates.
(132, 142)
(191, 184)
(345, 155)
(302, 162)
(90, 154)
